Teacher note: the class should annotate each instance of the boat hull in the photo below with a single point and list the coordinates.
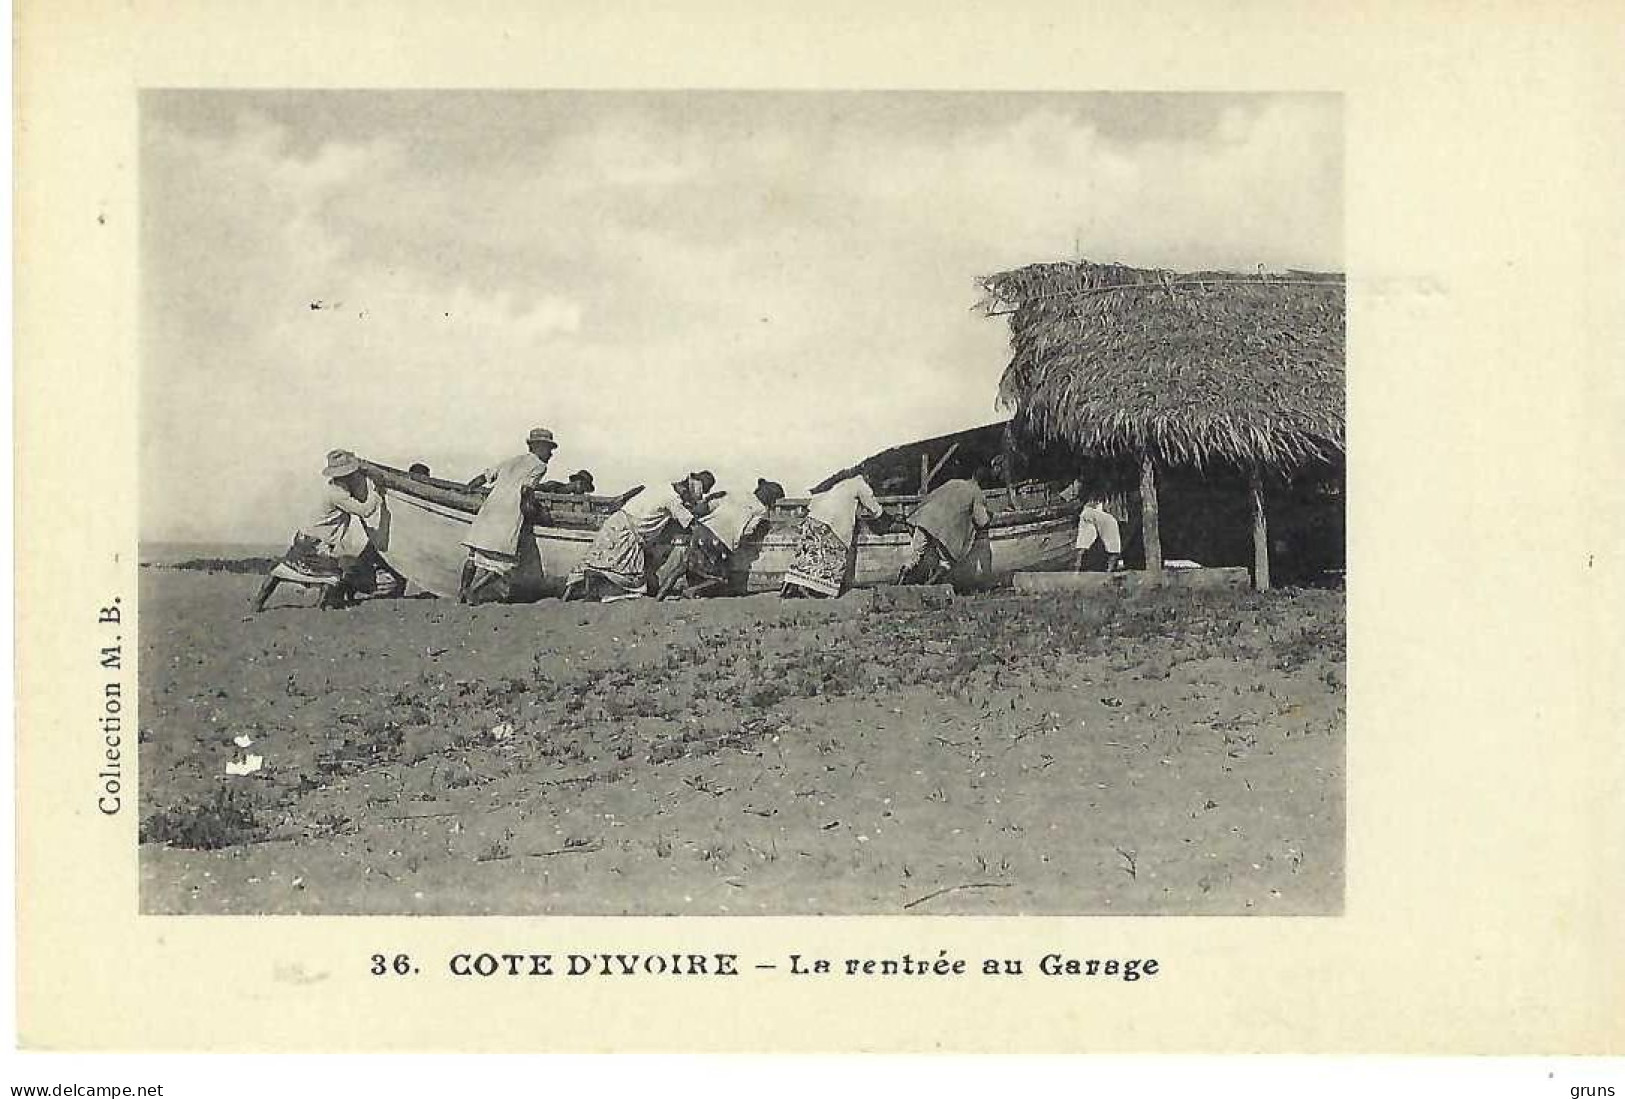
(425, 544)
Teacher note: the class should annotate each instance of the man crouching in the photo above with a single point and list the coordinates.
(702, 566)
(945, 526)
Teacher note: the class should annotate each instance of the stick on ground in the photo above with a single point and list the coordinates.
(956, 888)
(573, 849)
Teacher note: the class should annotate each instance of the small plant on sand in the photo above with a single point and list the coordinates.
(986, 866)
(649, 705)
(576, 699)
(331, 824)
(1321, 640)
(766, 694)
(1157, 667)
(496, 848)
(768, 854)
(1294, 655)
(456, 775)
(717, 852)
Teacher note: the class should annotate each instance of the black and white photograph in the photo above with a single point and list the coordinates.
(741, 503)
(691, 530)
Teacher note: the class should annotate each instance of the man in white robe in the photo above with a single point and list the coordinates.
(493, 538)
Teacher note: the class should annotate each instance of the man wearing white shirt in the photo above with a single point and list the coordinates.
(1096, 523)
(616, 565)
(702, 566)
(824, 542)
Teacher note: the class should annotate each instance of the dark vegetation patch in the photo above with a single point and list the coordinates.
(231, 816)
(244, 565)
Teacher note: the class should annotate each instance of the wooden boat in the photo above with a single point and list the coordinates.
(428, 518)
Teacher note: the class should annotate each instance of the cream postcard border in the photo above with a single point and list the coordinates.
(1485, 176)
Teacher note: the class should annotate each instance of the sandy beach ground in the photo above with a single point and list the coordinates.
(1165, 752)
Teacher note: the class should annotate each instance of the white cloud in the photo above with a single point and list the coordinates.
(251, 385)
(767, 294)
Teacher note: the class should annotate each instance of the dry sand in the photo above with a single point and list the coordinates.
(1172, 752)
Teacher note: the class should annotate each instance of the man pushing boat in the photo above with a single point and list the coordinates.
(824, 540)
(493, 538)
(701, 566)
(945, 526)
(334, 549)
(617, 565)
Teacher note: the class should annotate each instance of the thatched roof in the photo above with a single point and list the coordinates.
(1200, 368)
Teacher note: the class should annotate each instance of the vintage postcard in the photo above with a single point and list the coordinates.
(730, 536)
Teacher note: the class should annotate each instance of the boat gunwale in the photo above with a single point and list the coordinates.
(1029, 525)
(462, 499)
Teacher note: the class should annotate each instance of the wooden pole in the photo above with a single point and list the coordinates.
(1148, 514)
(925, 471)
(931, 474)
(1261, 533)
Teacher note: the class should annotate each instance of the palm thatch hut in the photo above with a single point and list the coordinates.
(1186, 370)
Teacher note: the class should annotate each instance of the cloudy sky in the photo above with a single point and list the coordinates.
(762, 284)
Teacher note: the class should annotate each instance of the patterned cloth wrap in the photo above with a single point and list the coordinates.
(820, 561)
(309, 562)
(616, 555)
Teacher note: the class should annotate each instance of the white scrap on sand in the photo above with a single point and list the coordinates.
(248, 766)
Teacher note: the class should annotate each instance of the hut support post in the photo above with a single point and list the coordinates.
(1148, 514)
(1261, 534)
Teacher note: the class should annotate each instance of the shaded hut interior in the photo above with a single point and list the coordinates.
(1217, 386)
(1205, 518)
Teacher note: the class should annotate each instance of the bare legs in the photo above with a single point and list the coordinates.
(1114, 561)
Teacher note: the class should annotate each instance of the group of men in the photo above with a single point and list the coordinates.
(619, 563)
(943, 529)
(338, 549)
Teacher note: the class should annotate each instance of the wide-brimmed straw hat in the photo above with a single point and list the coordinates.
(340, 463)
(541, 435)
